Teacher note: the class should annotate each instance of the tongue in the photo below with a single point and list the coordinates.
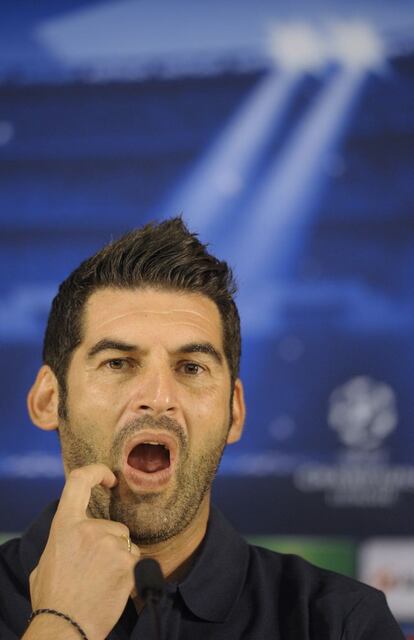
(149, 458)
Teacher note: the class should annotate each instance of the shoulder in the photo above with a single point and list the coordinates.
(324, 598)
(9, 552)
(10, 563)
(12, 580)
(293, 573)
(14, 591)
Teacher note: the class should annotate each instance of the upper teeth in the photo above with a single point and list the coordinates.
(156, 443)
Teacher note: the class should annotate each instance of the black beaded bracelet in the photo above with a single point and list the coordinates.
(61, 615)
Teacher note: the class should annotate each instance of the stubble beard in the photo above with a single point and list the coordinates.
(150, 517)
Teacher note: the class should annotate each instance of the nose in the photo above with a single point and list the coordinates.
(155, 391)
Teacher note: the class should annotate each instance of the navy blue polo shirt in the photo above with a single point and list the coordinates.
(233, 591)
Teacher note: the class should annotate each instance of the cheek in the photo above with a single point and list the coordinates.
(208, 414)
(90, 400)
(91, 417)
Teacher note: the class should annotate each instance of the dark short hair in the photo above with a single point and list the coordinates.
(162, 256)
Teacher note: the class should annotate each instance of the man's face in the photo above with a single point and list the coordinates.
(149, 396)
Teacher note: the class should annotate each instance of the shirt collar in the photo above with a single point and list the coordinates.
(215, 581)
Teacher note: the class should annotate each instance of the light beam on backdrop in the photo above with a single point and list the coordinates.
(355, 45)
(281, 207)
(223, 172)
(296, 47)
(209, 194)
(277, 214)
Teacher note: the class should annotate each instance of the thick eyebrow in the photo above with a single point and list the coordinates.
(107, 344)
(201, 347)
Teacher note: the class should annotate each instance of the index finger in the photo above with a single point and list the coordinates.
(77, 491)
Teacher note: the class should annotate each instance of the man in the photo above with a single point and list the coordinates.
(140, 377)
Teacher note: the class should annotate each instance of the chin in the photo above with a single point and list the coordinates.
(147, 522)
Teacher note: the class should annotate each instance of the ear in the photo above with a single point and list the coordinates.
(238, 413)
(43, 400)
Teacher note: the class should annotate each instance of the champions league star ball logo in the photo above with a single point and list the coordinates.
(363, 413)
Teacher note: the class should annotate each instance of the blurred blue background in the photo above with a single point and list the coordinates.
(284, 135)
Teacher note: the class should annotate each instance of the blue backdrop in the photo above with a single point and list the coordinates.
(286, 140)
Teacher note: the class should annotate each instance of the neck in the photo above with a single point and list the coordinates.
(177, 552)
(175, 555)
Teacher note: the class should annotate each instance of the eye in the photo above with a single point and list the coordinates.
(191, 368)
(118, 364)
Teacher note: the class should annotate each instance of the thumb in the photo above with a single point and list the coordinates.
(32, 579)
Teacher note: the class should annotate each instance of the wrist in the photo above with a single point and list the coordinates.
(49, 627)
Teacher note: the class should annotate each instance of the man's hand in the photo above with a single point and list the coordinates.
(86, 570)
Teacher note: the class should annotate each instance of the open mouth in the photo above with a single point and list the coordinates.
(149, 457)
(149, 460)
